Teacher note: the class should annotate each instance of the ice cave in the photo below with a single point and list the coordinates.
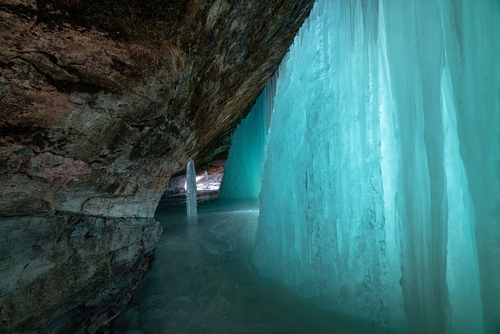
(379, 171)
(361, 192)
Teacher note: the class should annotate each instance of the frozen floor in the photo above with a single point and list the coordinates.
(201, 281)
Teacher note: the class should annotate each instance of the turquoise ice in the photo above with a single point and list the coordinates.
(381, 185)
(243, 169)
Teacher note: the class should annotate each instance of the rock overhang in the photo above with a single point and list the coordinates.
(100, 103)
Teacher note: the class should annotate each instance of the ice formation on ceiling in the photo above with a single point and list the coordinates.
(243, 169)
(381, 188)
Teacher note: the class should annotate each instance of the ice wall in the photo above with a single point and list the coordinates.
(381, 188)
(243, 169)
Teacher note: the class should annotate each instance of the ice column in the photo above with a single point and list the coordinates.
(387, 123)
(243, 169)
(191, 204)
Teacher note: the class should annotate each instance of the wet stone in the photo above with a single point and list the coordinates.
(24, 151)
(96, 165)
(76, 100)
(100, 223)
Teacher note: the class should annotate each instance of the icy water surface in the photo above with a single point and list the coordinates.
(202, 281)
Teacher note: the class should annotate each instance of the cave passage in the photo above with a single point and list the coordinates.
(201, 281)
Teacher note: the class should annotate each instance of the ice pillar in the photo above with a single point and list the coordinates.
(191, 192)
(388, 123)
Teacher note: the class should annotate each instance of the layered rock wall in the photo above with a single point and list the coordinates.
(64, 273)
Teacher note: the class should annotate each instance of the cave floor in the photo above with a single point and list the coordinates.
(201, 281)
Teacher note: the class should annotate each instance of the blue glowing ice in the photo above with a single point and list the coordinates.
(243, 169)
(381, 187)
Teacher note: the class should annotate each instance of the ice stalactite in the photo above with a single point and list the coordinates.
(381, 189)
(243, 169)
(191, 191)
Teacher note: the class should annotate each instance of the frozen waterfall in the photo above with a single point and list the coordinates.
(243, 169)
(381, 187)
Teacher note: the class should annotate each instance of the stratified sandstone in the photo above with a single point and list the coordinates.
(65, 272)
(100, 103)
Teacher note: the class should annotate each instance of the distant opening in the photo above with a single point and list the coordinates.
(204, 182)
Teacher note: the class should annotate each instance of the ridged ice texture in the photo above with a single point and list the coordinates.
(381, 188)
(243, 169)
(191, 191)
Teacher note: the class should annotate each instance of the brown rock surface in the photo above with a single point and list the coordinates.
(62, 273)
(125, 101)
(100, 103)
